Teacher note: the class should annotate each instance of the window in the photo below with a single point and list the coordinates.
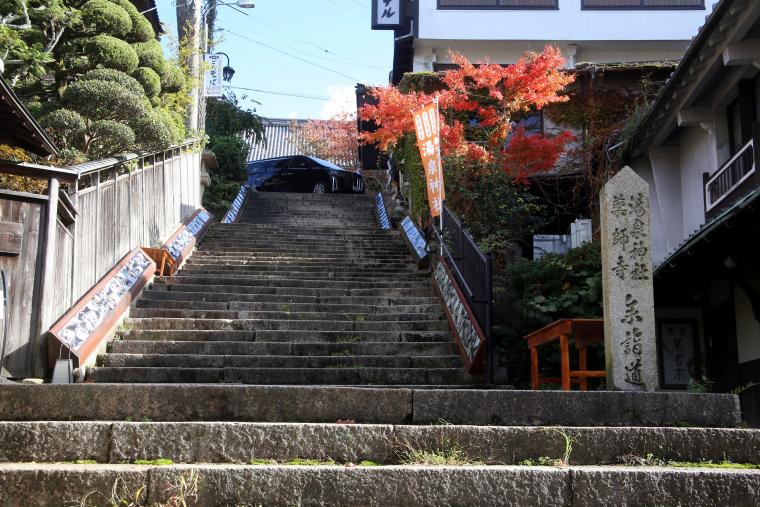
(497, 4)
(643, 4)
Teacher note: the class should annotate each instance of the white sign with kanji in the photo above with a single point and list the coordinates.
(386, 14)
(214, 75)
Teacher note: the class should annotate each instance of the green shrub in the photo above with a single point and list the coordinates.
(231, 154)
(531, 294)
(224, 117)
(151, 133)
(65, 127)
(142, 30)
(219, 196)
(172, 78)
(109, 137)
(150, 55)
(174, 123)
(104, 100)
(112, 53)
(115, 76)
(102, 16)
(149, 80)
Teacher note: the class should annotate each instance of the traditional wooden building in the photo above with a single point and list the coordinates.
(698, 149)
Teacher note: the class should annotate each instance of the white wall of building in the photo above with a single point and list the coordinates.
(567, 24)
(502, 36)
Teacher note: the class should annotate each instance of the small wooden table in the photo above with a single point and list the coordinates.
(583, 332)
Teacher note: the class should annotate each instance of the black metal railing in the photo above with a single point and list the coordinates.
(473, 271)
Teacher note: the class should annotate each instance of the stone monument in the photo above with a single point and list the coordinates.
(630, 346)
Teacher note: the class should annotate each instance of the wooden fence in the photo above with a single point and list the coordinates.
(73, 237)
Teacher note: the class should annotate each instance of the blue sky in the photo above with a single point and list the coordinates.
(332, 38)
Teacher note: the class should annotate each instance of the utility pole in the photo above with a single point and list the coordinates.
(189, 28)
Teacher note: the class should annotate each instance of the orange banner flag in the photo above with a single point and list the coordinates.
(427, 123)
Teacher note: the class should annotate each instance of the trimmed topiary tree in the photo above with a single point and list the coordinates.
(104, 16)
(149, 80)
(150, 54)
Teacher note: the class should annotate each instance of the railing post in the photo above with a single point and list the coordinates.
(491, 349)
(47, 278)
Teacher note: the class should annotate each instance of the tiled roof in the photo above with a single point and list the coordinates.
(278, 141)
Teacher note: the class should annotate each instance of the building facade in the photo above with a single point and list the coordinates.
(591, 31)
(698, 149)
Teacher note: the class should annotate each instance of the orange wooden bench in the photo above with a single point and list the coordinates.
(583, 333)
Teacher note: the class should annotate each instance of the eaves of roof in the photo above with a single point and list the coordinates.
(669, 100)
(706, 230)
(20, 125)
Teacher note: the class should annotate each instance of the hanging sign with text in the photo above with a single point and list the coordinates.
(214, 75)
(426, 122)
(386, 14)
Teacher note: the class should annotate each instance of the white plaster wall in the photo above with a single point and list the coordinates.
(509, 51)
(698, 155)
(643, 168)
(568, 23)
(665, 165)
(747, 328)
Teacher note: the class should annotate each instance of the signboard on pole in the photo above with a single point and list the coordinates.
(214, 75)
(427, 123)
(386, 14)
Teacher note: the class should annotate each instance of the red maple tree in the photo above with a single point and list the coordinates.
(478, 107)
(336, 139)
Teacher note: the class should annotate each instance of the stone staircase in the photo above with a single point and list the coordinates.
(304, 289)
(139, 436)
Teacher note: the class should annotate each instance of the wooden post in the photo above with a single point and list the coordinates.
(535, 380)
(582, 367)
(47, 278)
(565, 361)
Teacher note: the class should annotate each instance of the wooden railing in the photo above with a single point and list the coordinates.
(75, 236)
(731, 176)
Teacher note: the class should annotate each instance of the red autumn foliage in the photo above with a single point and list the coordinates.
(335, 139)
(494, 96)
(531, 154)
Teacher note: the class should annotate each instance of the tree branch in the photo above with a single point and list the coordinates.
(26, 25)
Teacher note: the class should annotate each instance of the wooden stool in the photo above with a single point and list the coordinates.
(583, 332)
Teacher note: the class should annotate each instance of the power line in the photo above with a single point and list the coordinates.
(341, 60)
(313, 44)
(285, 94)
(293, 56)
(349, 10)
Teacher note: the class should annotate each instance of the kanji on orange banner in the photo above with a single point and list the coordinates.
(426, 121)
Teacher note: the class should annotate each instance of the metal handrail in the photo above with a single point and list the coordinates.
(472, 270)
(712, 201)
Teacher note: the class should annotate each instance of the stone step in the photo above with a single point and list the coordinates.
(33, 485)
(338, 375)
(338, 259)
(285, 315)
(279, 281)
(293, 291)
(177, 295)
(482, 407)
(339, 309)
(382, 275)
(287, 336)
(297, 264)
(285, 325)
(283, 348)
(226, 442)
(228, 360)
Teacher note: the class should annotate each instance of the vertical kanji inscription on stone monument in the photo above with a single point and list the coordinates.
(630, 345)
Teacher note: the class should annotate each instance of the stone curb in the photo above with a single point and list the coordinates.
(44, 485)
(214, 442)
(199, 402)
